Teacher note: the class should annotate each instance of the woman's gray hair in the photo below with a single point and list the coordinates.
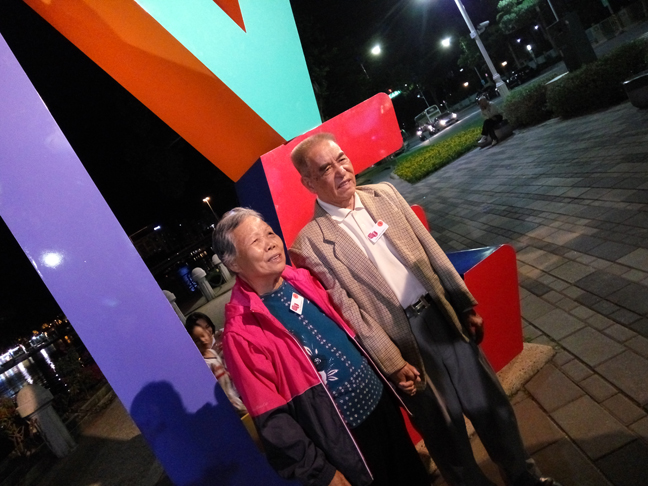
(222, 243)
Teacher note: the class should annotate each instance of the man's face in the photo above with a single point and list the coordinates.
(330, 175)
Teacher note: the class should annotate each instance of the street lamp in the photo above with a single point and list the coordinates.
(206, 200)
(375, 50)
(474, 34)
(446, 42)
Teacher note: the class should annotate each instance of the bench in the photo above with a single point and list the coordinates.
(503, 130)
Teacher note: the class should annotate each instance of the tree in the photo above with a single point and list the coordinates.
(515, 14)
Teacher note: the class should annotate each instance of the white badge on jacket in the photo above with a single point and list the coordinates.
(296, 303)
(377, 231)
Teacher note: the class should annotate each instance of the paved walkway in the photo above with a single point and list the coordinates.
(572, 198)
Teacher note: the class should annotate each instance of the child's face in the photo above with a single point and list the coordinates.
(201, 338)
(202, 323)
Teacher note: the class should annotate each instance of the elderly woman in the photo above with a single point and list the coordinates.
(492, 116)
(323, 413)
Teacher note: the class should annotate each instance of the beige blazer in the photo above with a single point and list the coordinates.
(359, 290)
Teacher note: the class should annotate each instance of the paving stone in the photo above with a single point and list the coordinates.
(620, 333)
(544, 340)
(576, 419)
(572, 271)
(635, 275)
(576, 370)
(582, 312)
(616, 269)
(534, 307)
(611, 250)
(629, 372)
(552, 297)
(627, 466)
(530, 333)
(572, 292)
(591, 346)
(637, 259)
(597, 388)
(604, 307)
(599, 322)
(567, 304)
(640, 345)
(552, 389)
(641, 428)
(623, 316)
(583, 243)
(562, 357)
(640, 327)
(537, 429)
(602, 283)
(632, 297)
(559, 285)
(623, 409)
(558, 324)
(568, 465)
(535, 287)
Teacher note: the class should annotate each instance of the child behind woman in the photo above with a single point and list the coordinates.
(202, 330)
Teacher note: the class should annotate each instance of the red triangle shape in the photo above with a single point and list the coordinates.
(233, 9)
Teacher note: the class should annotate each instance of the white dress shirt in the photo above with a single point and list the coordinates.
(358, 223)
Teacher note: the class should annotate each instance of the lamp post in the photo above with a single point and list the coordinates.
(474, 34)
(206, 200)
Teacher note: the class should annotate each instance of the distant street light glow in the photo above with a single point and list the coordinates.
(446, 42)
(466, 84)
(504, 63)
(529, 47)
(375, 50)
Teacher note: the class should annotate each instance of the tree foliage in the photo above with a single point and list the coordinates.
(515, 14)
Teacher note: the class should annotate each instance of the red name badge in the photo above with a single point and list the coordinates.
(377, 231)
(296, 303)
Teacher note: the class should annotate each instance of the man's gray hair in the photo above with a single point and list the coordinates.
(222, 243)
(300, 153)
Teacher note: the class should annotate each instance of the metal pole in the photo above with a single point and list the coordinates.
(552, 9)
(499, 84)
(479, 75)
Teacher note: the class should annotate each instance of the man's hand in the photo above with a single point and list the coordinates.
(474, 323)
(339, 480)
(406, 379)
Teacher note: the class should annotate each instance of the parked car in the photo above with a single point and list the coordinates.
(444, 120)
(489, 91)
(520, 76)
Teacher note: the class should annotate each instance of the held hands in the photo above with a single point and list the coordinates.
(406, 379)
(474, 323)
(339, 480)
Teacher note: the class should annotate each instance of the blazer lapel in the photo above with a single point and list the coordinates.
(346, 251)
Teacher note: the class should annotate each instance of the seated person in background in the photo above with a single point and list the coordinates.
(323, 414)
(492, 116)
(204, 340)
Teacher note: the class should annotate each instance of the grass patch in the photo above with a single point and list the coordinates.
(415, 166)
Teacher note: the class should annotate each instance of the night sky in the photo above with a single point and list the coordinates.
(150, 175)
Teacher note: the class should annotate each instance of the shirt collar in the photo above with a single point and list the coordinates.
(339, 214)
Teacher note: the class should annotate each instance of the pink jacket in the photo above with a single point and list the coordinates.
(303, 433)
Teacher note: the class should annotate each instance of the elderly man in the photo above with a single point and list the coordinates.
(412, 312)
(321, 410)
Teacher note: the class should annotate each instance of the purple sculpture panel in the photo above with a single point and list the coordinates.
(88, 263)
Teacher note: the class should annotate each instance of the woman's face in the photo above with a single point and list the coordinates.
(260, 254)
